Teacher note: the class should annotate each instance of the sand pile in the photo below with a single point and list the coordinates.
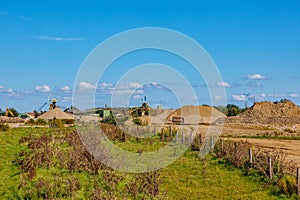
(163, 115)
(57, 114)
(286, 113)
(197, 114)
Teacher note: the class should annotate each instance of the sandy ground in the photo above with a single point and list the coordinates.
(290, 147)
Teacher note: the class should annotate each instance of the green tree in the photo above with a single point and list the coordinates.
(282, 101)
(232, 110)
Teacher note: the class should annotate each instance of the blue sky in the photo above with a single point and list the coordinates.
(255, 45)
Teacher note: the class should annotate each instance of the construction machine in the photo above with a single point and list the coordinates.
(141, 111)
(53, 104)
(8, 112)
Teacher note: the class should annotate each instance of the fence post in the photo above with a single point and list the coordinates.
(298, 182)
(222, 145)
(211, 142)
(177, 136)
(270, 167)
(163, 135)
(170, 131)
(191, 137)
(250, 157)
(200, 142)
(182, 137)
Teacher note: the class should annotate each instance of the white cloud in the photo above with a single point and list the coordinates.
(59, 38)
(15, 95)
(6, 89)
(254, 84)
(276, 95)
(223, 84)
(42, 88)
(256, 77)
(294, 95)
(137, 97)
(128, 88)
(219, 97)
(9, 90)
(139, 92)
(86, 86)
(157, 85)
(65, 88)
(240, 97)
(134, 85)
(66, 99)
(105, 85)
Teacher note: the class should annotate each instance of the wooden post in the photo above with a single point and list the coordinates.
(235, 147)
(182, 137)
(222, 145)
(298, 182)
(170, 131)
(211, 142)
(250, 157)
(163, 135)
(270, 167)
(191, 137)
(200, 141)
(177, 135)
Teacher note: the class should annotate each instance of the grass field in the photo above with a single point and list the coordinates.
(188, 178)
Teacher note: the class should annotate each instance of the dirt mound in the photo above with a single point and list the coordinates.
(163, 116)
(197, 114)
(286, 113)
(57, 114)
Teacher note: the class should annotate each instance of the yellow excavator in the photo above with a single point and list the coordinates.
(8, 113)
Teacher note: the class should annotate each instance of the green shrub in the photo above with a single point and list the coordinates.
(197, 142)
(139, 121)
(287, 185)
(4, 127)
(289, 130)
(56, 123)
(109, 120)
(68, 121)
(40, 121)
(30, 122)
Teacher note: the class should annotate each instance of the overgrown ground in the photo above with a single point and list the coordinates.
(38, 163)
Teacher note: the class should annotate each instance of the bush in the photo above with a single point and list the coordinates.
(109, 120)
(40, 121)
(56, 123)
(233, 110)
(139, 122)
(289, 130)
(287, 185)
(4, 127)
(68, 121)
(197, 142)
